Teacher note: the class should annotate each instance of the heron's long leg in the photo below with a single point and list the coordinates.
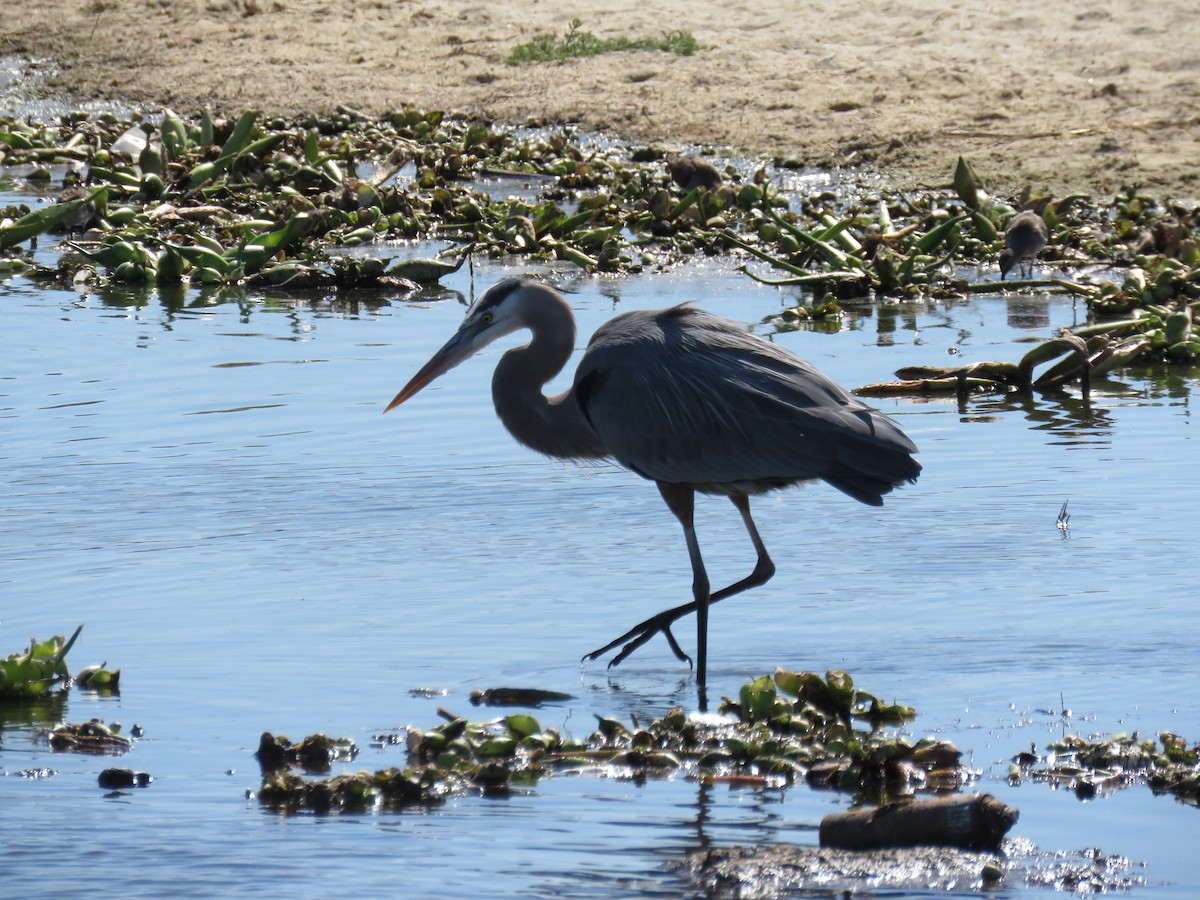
(681, 500)
(661, 623)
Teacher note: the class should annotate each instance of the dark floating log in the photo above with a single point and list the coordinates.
(970, 821)
(502, 696)
(123, 778)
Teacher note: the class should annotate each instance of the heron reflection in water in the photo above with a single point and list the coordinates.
(687, 400)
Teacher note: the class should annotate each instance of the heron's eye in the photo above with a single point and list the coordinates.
(486, 318)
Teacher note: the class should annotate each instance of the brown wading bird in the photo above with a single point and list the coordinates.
(692, 172)
(1025, 237)
(688, 400)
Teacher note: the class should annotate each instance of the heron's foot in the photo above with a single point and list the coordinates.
(640, 634)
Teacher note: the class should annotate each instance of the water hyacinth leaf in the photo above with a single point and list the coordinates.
(39, 668)
(476, 134)
(42, 220)
(496, 746)
(688, 200)
(1067, 368)
(757, 699)
(13, 266)
(261, 146)
(985, 229)
(171, 265)
(204, 258)
(831, 253)
(204, 133)
(259, 248)
(521, 725)
(174, 136)
(890, 713)
(123, 177)
(240, 135)
(1042, 353)
(235, 147)
(841, 685)
(968, 186)
(98, 678)
(206, 171)
(150, 161)
(1177, 326)
(936, 236)
(836, 230)
(1120, 355)
(815, 691)
(885, 268)
(15, 140)
(788, 681)
(566, 225)
(885, 218)
(312, 149)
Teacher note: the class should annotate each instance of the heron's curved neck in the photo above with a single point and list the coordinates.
(552, 425)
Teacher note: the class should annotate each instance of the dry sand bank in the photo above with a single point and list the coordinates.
(1076, 95)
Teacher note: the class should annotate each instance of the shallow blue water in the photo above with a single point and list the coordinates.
(214, 492)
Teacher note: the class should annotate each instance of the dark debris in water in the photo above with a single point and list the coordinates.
(737, 872)
(93, 736)
(1093, 767)
(116, 779)
(975, 821)
(316, 753)
(353, 792)
(502, 696)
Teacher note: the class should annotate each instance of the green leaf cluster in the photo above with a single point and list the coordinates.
(38, 669)
(579, 43)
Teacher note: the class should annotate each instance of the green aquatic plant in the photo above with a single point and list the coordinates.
(577, 42)
(38, 669)
(37, 222)
(789, 727)
(214, 204)
(1100, 765)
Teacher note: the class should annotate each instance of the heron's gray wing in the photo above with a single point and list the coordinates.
(682, 396)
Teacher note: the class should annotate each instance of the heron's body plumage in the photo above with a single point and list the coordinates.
(689, 400)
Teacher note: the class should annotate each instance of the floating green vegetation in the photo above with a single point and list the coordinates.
(793, 726)
(576, 42)
(37, 670)
(1091, 767)
(208, 204)
(43, 667)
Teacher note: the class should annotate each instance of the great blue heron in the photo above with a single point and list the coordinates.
(1024, 239)
(688, 400)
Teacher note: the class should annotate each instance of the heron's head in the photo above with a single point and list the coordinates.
(495, 313)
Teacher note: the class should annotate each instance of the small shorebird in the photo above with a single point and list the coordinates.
(1025, 237)
(692, 172)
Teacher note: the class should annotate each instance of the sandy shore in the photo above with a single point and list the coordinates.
(1076, 95)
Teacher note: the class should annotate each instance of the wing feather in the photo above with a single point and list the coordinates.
(682, 396)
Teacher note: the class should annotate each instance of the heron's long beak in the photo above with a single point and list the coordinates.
(457, 349)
